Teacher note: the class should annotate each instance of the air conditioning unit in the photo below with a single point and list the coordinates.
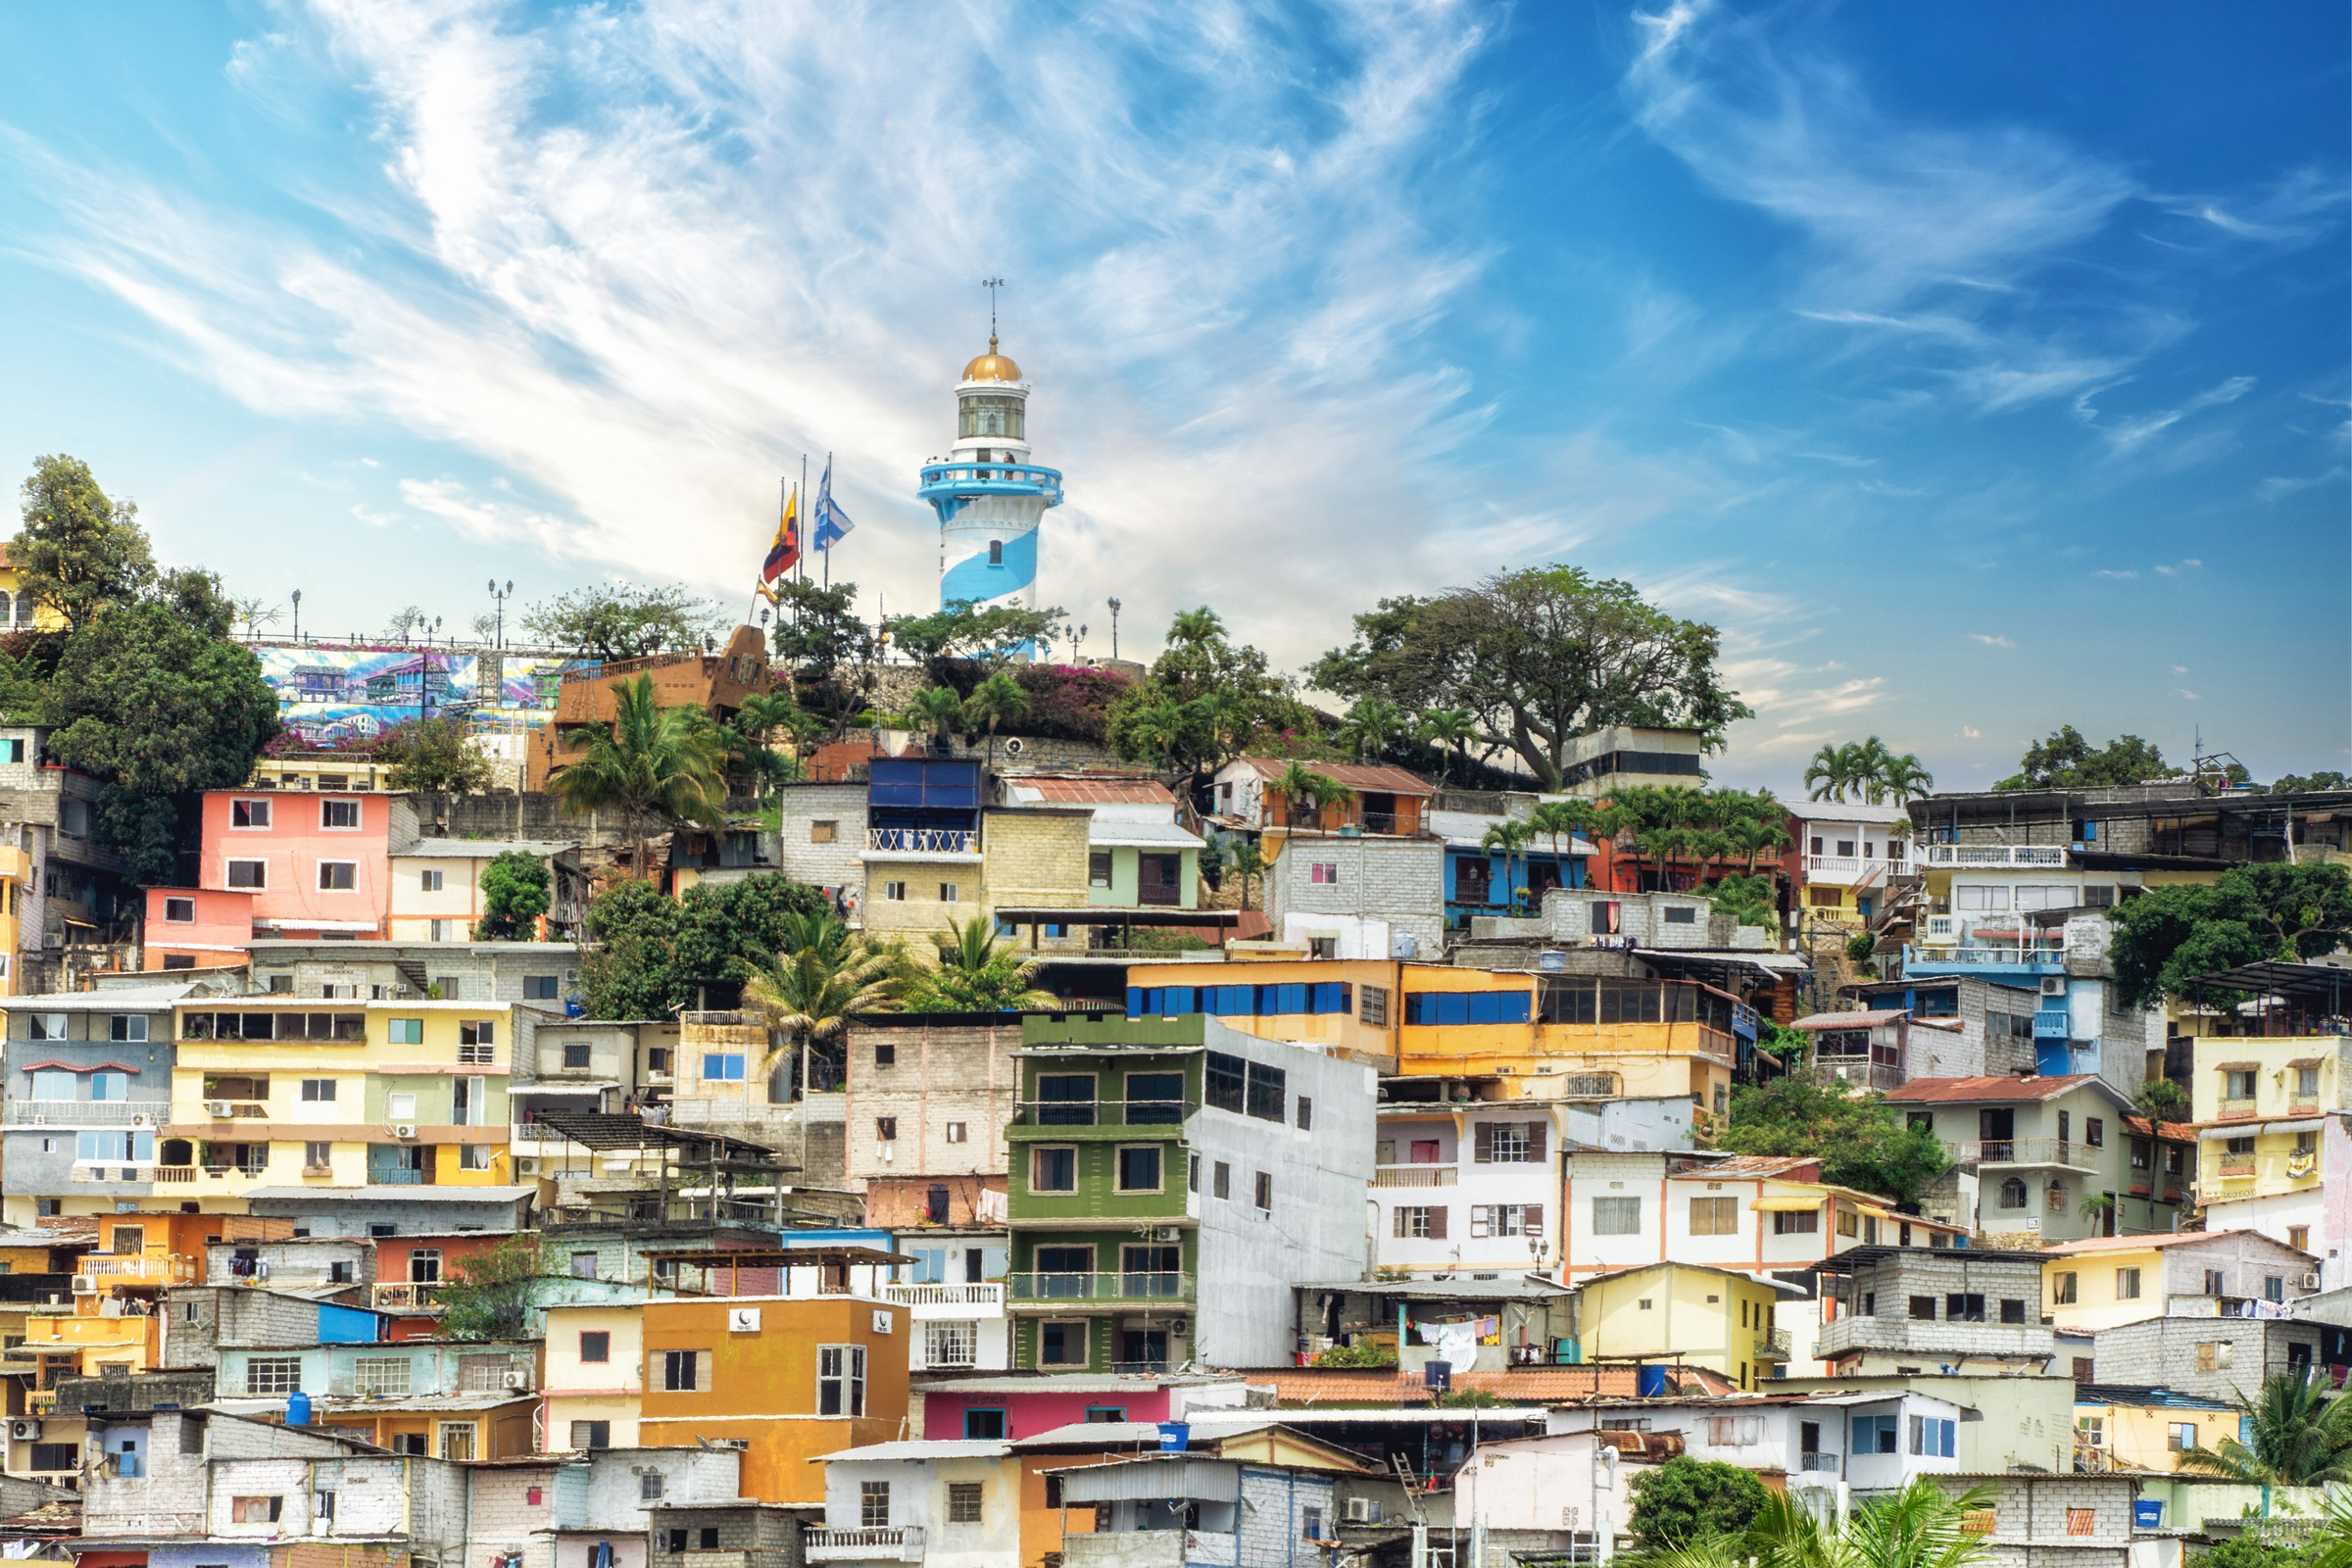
(85, 1285)
(25, 1431)
(1167, 1233)
(216, 1107)
(403, 1129)
(2053, 985)
(2311, 1281)
(527, 1166)
(1180, 1328)
(1359, 1510)
(143, 1121)
(513, 1380)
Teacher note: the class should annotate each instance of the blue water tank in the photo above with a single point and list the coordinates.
(297, 1409)
(1651, 1382)
(1174, 1437)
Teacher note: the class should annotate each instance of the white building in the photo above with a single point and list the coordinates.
(946, 1504)
(1849, 856)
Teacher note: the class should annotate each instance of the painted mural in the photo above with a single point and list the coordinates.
(338, 695)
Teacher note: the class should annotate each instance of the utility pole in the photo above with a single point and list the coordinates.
(1114, 630)
(298, 617)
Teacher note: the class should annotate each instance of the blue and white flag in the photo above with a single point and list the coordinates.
(831, 522)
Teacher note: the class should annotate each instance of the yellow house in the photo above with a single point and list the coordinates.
(2145, 1429)
(438, 885)
(1708, 1317)
(594, 1383)
(2103, 1282)
(17, 611)
(1542, 1037)
(1035, 857)
(338, 1094)
(2262, 1107)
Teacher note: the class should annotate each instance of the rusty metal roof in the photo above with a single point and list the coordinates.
(1358, 776)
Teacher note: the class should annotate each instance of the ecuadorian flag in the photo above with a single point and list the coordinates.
(787, 549)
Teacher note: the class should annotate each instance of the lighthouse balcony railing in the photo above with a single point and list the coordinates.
(991, 479)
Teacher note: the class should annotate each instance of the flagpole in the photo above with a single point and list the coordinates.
(827, 547)
(799, 563)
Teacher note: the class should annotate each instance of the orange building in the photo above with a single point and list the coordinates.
(791, 1376)
(715, 682)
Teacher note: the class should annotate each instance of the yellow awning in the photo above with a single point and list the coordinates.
(1869, 1209)
(1785, 1205)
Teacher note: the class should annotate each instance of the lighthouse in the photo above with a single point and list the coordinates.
(988, 495)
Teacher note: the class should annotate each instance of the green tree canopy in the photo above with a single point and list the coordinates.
(655, 953)
(78, 550)
(649, 762)
(2068, 761)
(2297, 783)
(2167, 937)
(2301, 1436)
(487, 1296)
(1686, 1500)
(1861, 1141)
(978, 972)
(1206, 700)
(623, 621)
(435, 755)
(967, 629)
(1540, 656)
(515, 895)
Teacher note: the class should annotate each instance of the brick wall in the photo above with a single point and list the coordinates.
(923, 911)
(1035, 857)
(902, 1202)
(956, 1075)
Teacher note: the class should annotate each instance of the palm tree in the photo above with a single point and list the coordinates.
(1299, 784)
(1870, 765)
(1194, 628)
(1905, 776)
(808, 992)
(1553, 818)
(1164, 726)
(1372, 723)
(750, 751)
(935, 710)
(977, 973)
(998, 698)
(1246, 861)
(1222, 718)
(1831, 773)
(2301, 1437)
(667, 762)
(1448, 729)
(1922, 1525)
(1508, 838)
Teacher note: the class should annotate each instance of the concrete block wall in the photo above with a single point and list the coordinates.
(501, 1517)
(1036, 857)
(168, 1500)
(1402, 881)
(2164, 1350)
(943, 1076)
(835, 863)
(1272, 1518)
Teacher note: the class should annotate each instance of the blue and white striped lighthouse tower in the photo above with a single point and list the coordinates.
(988, 495)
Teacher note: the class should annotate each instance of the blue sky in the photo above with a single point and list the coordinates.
(1977, 368)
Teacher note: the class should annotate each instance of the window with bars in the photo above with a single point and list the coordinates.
(386, 1375)
(963, 1503)
(950, 1343)
(273, 1373)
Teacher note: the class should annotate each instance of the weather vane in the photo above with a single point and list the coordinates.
(991, 284)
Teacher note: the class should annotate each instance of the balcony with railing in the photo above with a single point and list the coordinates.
(2063, 1152)
(1065, 1115)
(923, 843)
(1415, 1175)
(163, 1268)
(986, 1296)
(896, 1544)
(1147, 1285)
(2236, 1111)
(1989, 959)
(1959, 856)
(405, 1296)
(2053, 1025)
(1818, 1461)
(86, 1112)
(1774, 1345)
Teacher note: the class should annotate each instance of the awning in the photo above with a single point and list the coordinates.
(2241, 1129)
(1786, 1206)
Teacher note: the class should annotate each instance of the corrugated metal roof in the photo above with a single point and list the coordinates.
(2134, 1244)
(942, 1449)
(1104, 791)
(1851, 1021)
(1960, 1091)
(1358, 776)
(1140, 836)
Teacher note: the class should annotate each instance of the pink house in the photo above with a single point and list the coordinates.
(195, 928)
(1023, 1406)
(308, 864)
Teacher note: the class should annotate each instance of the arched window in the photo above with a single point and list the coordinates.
(2013, 1194)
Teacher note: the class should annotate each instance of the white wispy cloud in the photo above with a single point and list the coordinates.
(2125, 435)
(2121, 576)
(1969, 732)
(1991, 641)
(2189, 565)
(640, 258)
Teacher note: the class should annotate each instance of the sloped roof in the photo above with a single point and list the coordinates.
(2134, 1244)
(1357, 777)
(1850, 1020)
(1961, 1091)
(1097, 791)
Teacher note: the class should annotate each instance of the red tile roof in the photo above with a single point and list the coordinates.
(1947, 1090)
(1357, 777)
(1099, 791)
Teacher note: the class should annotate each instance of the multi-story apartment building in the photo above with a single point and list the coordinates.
(923, 857)
(822, 839)
(88, 1086)
(1844, 861)
(2111, 1280)
(1366, 869)
(1160, 1165)
(789, 1379)
(601, 1506)
(1906, 1310)
(340, 1093)
(542, 975)
(1717, 1318)
(2038, 1159)
(1139, 856)
(1468, 1186)
(2128, 1427)
(308, 865)
(2213, 1356)
(65, 904)
(2274, 1152)
(1539, 1036)
(436, 887)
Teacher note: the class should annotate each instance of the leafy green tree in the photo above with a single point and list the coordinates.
(1687, 1499)
(1922, 1525)
(487, 1296)
(977, 973)
(2162, 941)
(515, 895)
(2301, 1436)
(654, 954)
(1244, 860)
(820, 978)
(434, 755)
(998, 698)
(2249, 1550)
(1746, 899)
(1540, 656)
(623, 621)
(967, 629)
(2298, 783)
(1450, 730)
(163, 707)
(1861, 1141)
(1205, 701)
(936, 710)
(1372, 723)
(78, 551)
(2068, 761)
(649, 761)
(2162, 1100)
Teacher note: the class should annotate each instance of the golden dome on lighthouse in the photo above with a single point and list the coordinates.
(992, 366)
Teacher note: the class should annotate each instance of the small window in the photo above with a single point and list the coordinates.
(430, 881)
(1372, 1006)
(249, 874)
(1139, 1168)
(339, 876)
(2095, 1131)
(2062, 1290)
(1053, 1169)
(318, 1090)
(249, 813)
(1616, 1216)
(681, 1371)
(723, 1068)
(592, 1434)
(1306, 1113)
(895, 892)
(1681, 915)
(823, 832)
(841, 1380)
(1097, 868)
(949, 892)
(1221, 1180)
(541, 987)
(339, 814)
(2127, 1284)
(649, 1488)
(983, 1425)
(477, 1032)
(404, 1031)
(963, 1503)
(180, 911)
(2082, 1521)
(1265, 1191)
(956, 1132)
(886, 1129)
(576, 1056)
